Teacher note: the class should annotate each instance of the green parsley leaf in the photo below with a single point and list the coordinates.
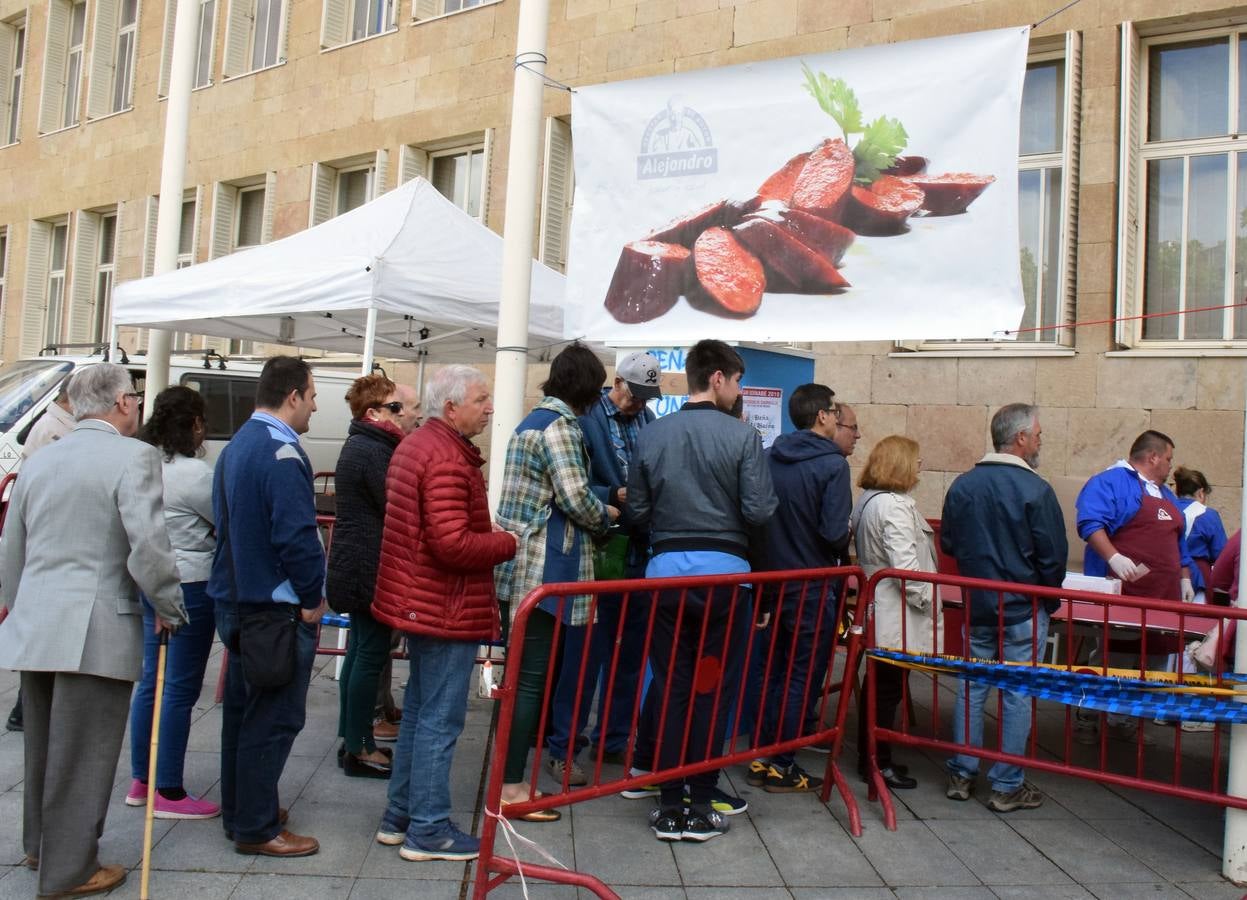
(836, 99)
(882, 141)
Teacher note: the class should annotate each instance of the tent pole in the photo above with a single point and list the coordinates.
(420, 379)
(523, 156)
(370, 340)
(1234, 848)
(172, 182)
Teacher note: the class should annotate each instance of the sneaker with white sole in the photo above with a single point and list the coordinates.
(558, 767)
(667, 824)
(701, 827)
(393, 830)
(641, 791)
(137, 795)
(450, 843)
(187, 808)
(1025, 797)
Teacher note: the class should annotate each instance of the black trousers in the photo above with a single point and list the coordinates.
(889, 687)
(689, 680)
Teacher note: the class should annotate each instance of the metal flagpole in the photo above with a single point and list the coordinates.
(172, 182)
(511, 359)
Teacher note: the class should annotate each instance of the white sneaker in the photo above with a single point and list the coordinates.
(1199, 726)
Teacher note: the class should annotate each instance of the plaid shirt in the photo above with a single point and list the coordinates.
(545, 467)
(624, 431)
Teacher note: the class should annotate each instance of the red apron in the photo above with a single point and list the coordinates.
(1151, 538)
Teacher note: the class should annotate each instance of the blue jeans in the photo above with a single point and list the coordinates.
(435, 705)
(185, 662)
(1020, 642)
(258, 728)
(597, 672)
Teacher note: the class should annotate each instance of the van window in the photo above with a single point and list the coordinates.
(228, 400)
(25, 383)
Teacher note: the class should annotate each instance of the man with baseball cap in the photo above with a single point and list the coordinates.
(611, 427)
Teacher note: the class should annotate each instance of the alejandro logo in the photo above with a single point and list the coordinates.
(676, 142)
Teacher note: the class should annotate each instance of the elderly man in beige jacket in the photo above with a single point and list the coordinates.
(84, 533)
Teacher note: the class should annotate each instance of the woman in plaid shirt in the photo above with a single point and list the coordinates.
(546, 500)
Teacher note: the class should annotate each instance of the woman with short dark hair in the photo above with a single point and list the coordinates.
(177, 429)
(359, 485)
(547, 502)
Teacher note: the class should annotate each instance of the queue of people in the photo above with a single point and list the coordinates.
(594, 487)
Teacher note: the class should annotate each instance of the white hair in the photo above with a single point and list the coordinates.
(449, 383)
(93, 389)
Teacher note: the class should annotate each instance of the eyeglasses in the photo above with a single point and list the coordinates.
(134, 395)
(394, 406)
(852, 428)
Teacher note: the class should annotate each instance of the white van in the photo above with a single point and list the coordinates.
(28, 386)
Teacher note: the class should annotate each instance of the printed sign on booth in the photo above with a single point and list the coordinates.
(859, 195)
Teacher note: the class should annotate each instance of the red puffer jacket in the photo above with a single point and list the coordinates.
(439, 548)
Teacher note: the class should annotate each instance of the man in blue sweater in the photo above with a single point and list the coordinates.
(268, 560)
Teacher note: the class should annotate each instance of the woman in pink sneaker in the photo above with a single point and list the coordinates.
(177, 429)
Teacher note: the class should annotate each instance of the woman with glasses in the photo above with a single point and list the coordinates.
(359, 484)
(177, 429)
(890, 533)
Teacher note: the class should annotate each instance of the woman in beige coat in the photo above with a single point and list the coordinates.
(889, 533)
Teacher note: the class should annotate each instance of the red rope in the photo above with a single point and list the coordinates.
(1176, 312)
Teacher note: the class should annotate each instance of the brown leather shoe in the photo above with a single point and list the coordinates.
(285, 844)
(105, 879)
(385, 731)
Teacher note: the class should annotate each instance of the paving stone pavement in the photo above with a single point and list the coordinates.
(1086, 841)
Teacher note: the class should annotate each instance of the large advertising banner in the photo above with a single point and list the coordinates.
(864, 194)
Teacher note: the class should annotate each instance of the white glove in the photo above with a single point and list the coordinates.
(1188, 592)
(1124, 568)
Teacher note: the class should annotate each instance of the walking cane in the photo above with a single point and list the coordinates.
(144, 893)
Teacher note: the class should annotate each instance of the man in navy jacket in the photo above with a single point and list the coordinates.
(268, 552)
(611, 428)
(810, 529)
(1002, 522)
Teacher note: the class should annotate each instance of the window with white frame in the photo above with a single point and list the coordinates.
(12, 68)
(429, 9)
(255, 36)
(342, 185)
(1183, 257)
(57, 257)
(205, 35)
(112, 57)
(188, 231)
(242, 214)
(62, 65)
(344, 21)
(1047, 203)
(458, 168)
(91, 286)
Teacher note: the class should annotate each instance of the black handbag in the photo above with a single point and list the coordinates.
(268, 644)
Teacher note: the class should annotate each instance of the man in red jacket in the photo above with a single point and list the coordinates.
(436, 583)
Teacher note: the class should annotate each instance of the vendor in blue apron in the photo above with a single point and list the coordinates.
(1135, 532)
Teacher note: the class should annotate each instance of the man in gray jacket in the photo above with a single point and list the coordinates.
(84, 533)
(699, 480)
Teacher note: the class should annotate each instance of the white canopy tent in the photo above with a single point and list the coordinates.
(424, 276)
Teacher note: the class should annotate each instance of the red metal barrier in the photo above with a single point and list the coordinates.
(728, 678)
(1084, 624)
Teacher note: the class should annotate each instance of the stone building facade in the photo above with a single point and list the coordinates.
(1137, 200)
